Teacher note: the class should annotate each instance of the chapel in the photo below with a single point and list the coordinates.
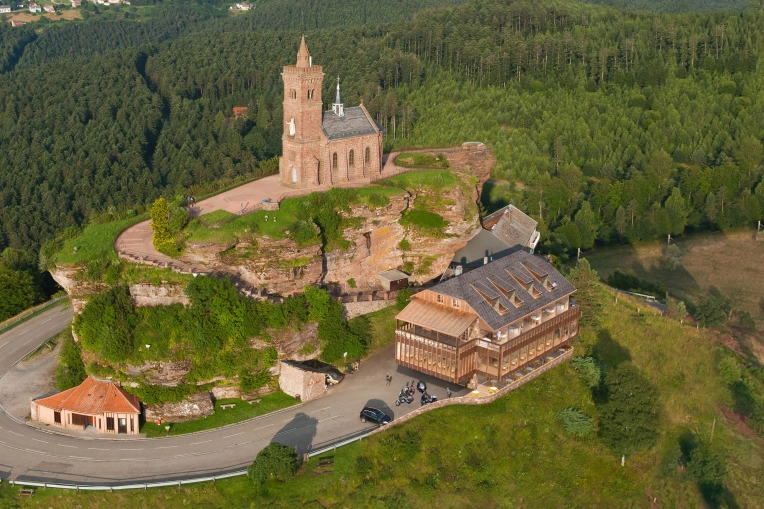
(324, 148)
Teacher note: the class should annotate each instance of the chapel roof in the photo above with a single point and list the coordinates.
(355, 122)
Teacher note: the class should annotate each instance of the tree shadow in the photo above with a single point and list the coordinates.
(608, 351)
(298, 433)
(715, 495)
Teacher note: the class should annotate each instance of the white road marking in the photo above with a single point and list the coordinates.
(20, 333)
(197, 443)
(167, 447)
(131, 449)
(235, 434)
(46, 321)
(261, 427)
(33, 451)
(97, 449)
(4, 344)
(37, 440)
(80, 458)
(19, 434)
(70, 446)
(131, 459)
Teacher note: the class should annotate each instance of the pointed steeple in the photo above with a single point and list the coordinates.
(303, 55)
(337, 106)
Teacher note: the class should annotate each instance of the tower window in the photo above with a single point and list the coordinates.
(310, 94)
(293, 94)
(351, 158)
(368, 155)
(334, 161)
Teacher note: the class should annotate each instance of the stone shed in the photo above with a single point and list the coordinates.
(393, 280)
(299, 380)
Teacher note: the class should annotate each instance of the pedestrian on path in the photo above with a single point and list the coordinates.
(448, 393)
(388, 379)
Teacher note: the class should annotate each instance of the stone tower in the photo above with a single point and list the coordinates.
(300, 163)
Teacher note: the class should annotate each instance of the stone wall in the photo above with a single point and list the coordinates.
(307, 384)
(197, 406)
(481, 400)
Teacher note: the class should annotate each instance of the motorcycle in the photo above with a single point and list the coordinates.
(404, 397)
(421, 387)
(410, 390)
(427, 399)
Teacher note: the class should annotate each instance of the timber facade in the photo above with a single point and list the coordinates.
(495, 321)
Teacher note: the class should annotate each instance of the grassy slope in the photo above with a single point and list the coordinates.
(96, 241)
(223, 417)
(731, 261)
(513, 452)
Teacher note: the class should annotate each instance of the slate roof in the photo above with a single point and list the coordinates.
(512, 225)
(354, 123)
(93, 397)
(484, 243)
(499, 272)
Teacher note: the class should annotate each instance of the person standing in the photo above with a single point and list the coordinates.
(448, 393)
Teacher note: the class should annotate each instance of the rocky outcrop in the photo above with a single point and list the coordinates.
(147, 295)
(292, 345)
(72, 279)
(225, 392)
(195, 407)
(167, 373)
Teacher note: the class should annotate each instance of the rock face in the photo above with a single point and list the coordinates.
(197, 406)
(167, 373)
(147, 295)
(225, 392)
(72, 280)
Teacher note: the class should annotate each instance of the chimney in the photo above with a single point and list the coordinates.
(485, 260)
(458, 270)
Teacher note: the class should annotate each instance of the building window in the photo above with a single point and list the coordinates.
(334, 161)
(132, 425)
(351, 158)
(310, 94)
(57, 417)
(440, 299)
(456, 303)
(294, 174)
(110, 424)
(293, 94)
(368, 155)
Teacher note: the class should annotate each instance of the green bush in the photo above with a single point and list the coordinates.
(303, 232)
(629, 415)
(377, 200)
(155, 394)
(276, 461)
(405, 245)
(575, 421)
(70, 371)
(630, 282)
(351, 282)
(423, 219)
(252, 382)
(403, 298)
(107, 323)
(588, 370)
(336, 336)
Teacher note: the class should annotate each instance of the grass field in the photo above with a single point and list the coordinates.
(730, 261)
(95, 241)
(27, 17)
(223, 417)
(435, 178)
(419, 160)
(514, 453)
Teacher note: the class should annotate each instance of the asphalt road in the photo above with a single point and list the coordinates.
(27, 453)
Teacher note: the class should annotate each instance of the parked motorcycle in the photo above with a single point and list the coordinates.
(421, 387)
(404, 397)
(427, 399)
(411, 389)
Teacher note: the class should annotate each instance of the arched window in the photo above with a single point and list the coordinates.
(293, 94)
(310, 94)
(294, 174)
(368, 155)
(334, 161)
(351, 158)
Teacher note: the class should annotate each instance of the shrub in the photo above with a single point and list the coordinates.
(575, 421)
(746, 322)
(70, 371)
(403, 298)
(708, 468)
(630, 282)
(252, 382)
(303, 232)
(351, 282)
(160, 224)
(405, 245)
(106, 324)
(588, 370)
(423, 219)
(629, 417)
(276, 461)
(377, 200)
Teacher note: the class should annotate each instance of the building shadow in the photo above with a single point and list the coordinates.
(608, 351)
(298, 433)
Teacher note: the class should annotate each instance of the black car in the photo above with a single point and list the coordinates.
(375, 415)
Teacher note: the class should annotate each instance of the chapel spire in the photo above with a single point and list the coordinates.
(338, 106)
(303, 55)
